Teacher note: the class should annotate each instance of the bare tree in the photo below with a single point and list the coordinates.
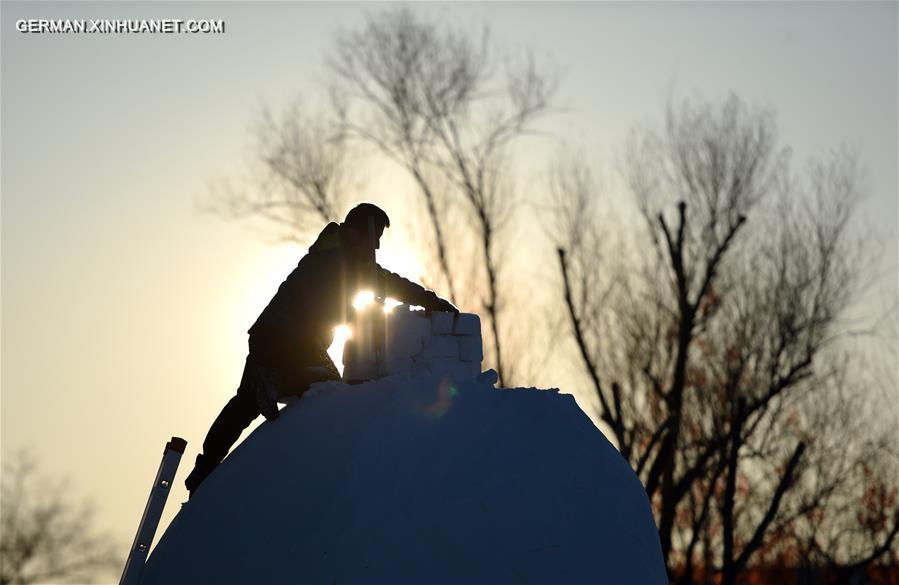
(437, 102)
(712, 343)
(846, 518)
(431, 99)
(44, 536)
(300, 175)
(384, 67)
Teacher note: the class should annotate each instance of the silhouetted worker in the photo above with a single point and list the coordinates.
(289, 341)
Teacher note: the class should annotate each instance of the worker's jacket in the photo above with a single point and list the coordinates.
(318, 294)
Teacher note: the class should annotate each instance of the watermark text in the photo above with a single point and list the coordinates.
(107, 26)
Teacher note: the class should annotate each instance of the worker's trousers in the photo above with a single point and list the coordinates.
(292, 363)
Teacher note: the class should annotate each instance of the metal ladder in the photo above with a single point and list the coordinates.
(149, 522)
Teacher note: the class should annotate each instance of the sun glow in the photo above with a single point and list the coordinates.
(341, 334)
(398, 256)
(363, 299)
(272, 265)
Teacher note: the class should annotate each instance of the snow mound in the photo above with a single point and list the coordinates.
(415, 479)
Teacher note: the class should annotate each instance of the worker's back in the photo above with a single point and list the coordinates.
(315, 295)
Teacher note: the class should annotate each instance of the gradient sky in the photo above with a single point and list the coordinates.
(124, 309)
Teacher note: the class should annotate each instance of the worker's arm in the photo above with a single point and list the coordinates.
(397, 287)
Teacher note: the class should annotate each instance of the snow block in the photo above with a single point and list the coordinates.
(471, 348)
(444, 346)
(404, 323)
(351, 353)
(398, 366)
(452, 369)
(361, 347)
(415, 344)
(402, 344)
(420, 369)
(441, 323)
(467, 324)
(356, 371)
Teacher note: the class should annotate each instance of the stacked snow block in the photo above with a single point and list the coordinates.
(406, 334)
(441, 344)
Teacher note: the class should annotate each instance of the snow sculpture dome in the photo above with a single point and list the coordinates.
(427, 475)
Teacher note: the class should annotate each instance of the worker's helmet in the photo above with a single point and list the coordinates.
(358, 217)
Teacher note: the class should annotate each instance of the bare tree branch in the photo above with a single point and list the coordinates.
(724, 334)
(45, 536)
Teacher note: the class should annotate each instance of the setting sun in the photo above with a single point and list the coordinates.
(273, 264)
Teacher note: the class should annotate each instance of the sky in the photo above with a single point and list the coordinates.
(124, 308)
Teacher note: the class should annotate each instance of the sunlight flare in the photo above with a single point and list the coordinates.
(363, 299)
(341, 334)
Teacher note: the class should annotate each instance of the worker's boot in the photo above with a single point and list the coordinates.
(203, 467)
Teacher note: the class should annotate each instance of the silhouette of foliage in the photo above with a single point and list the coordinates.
(436, 101)
(300, 175)
(448, 110)
(45, 537)
(714, 349)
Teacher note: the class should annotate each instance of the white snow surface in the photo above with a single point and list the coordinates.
(417, 480)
